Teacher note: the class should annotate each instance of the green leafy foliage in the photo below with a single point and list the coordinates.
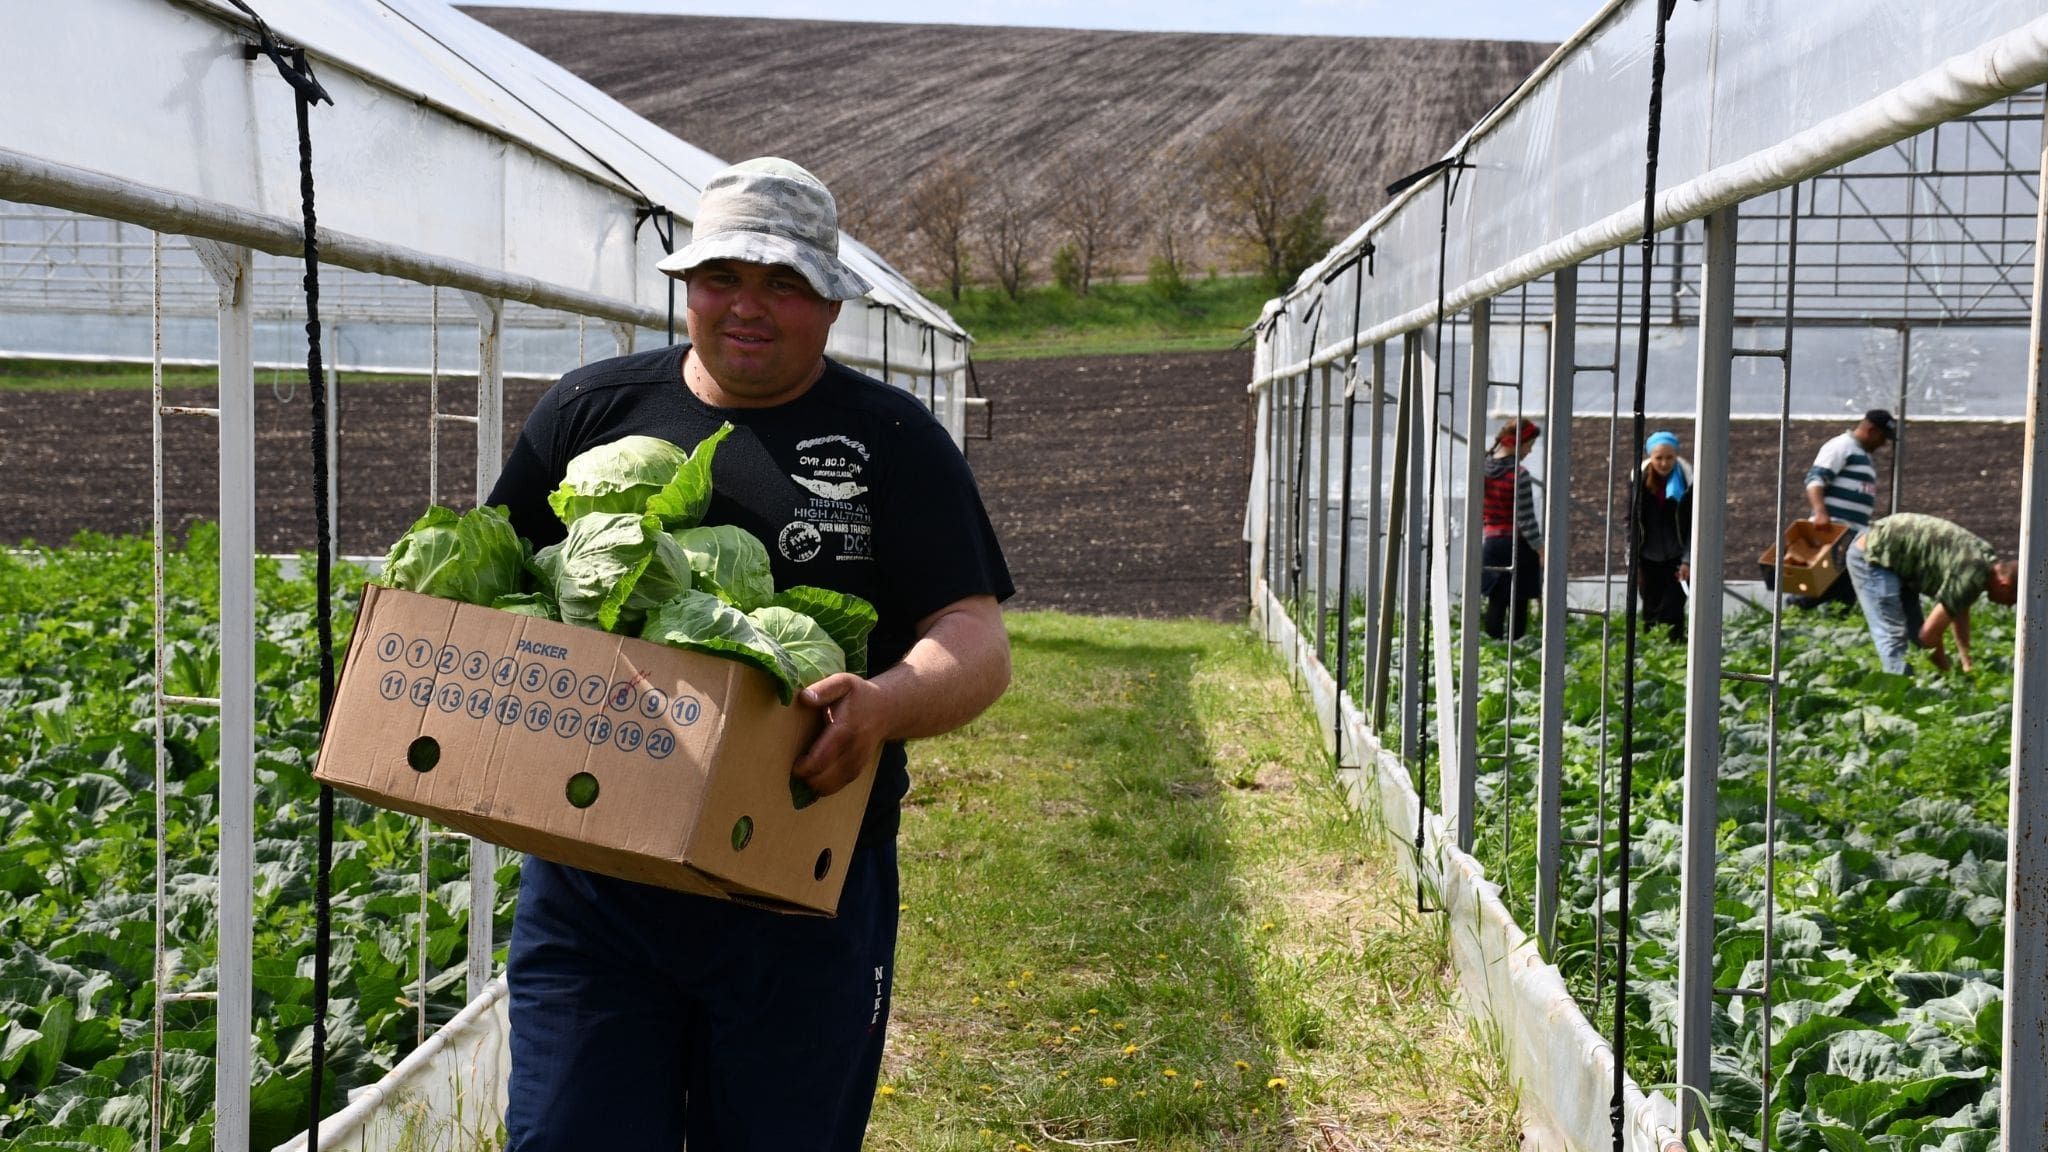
(474, 557)
(730, 564)
(701, 622)
(77, 861)
(1888, 882)
(847, 619)
(809, 647)
(612, 568)
(685, 496)
(616, 477)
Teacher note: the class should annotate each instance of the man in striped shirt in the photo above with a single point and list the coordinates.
(1842, 484)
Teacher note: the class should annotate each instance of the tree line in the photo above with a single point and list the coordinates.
(1246, 194)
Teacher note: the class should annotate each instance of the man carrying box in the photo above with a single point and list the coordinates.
(1907, 555)
(1841, 487)
(649, 1019)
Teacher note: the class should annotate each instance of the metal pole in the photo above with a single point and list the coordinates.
(1375, 519)
(238, 701)
(1421, 424)
(1557, 504)
(1393, 557)
(2023, 1103)
(1460, 781)
(334, 443)
(1322, 548)
(1703, 671)
(1347, 430)
(490, 457)
(1905, 374)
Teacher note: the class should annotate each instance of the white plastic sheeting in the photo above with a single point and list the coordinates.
(1757, 95)
(452, 155)
(448, 1095)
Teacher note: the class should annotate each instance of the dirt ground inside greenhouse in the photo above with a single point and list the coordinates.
(1116, 483)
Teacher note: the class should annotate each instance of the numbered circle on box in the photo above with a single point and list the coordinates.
(451, 659)
(392, 685)
(591, 691)
(509, 708)
(390, 646)
(479, 703)
(568, 722)
(686, 710)
(621, 699)
(563, 684)
(654, 704)
(539, 716)
(630, 735)
(449, 698)
(504, 672)
(598, 731)
(419, 654)
(533, 677)
(660, 743)
(423, 691)
(475, 665)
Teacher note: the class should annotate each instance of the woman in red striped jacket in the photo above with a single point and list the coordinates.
(1513, 546)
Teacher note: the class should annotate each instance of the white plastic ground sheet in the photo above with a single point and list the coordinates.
(448, 1095)
(1562, 1067)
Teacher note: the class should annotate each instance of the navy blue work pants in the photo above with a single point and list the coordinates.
(643, 1018)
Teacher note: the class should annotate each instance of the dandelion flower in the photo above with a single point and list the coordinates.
(1243, 1067)
(1266, 927)
(1010, 984)
(1026, 974)
(1130, 1049)
(1169, 1073)
(1277, 1083)
(1074, 1028)
(1118, 1026)
(1095, 1011)
(1159, 955)
(1064, 1073)
(976, 1000)
(987, 1132)
(1107, 1081)
(1198, 1083)
(988, 1088)
(1141, 1092)
(885, 1090)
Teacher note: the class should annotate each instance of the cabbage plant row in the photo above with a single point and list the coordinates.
(1888, 950)
(77, 852)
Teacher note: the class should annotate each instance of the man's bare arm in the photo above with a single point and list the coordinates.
(1931, 632)
(959, 666)
(1816, 500)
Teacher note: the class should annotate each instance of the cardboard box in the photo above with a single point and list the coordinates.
(1812, 561)
(600, 751)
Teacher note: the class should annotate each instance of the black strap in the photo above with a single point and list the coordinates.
(665, 230)
(292, 65)
(1617, 1107)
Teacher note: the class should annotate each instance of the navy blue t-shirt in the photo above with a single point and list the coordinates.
(852, 486)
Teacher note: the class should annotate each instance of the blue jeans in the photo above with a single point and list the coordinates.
(1890, 607)
(644, 1019)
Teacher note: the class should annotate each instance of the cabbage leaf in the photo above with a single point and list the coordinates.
(809, 647)
(730, 563)
(847, 618)
(617, 477)
(474, 557)
(612, 568)
(701, 622)
(686, 496)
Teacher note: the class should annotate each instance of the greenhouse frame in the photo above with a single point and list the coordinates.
(1820, 169)
(480, 210)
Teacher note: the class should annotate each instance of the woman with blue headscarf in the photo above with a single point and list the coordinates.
(1664, 534)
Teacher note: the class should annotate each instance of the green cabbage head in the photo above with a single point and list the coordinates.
(730, 563)
(701, 622)
(474, 557)
(616, 477)
(613, 568)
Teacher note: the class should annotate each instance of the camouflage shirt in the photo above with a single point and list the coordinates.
(1933, 556)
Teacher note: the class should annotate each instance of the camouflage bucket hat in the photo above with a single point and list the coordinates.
(770, 211)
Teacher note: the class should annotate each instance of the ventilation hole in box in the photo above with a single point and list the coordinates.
(423, 753)
(582, 790)
(801, 795)
(742, 832)
(824, 867)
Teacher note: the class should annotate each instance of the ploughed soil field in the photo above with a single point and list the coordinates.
(1116, 484)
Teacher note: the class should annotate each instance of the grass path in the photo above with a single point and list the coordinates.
(1138, 914)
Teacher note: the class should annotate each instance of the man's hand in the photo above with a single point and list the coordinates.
(959, 665)
(1685, 573)
(856, 726)
(1939, 655)
(1819, 518)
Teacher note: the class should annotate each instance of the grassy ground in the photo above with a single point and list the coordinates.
(1112, 319)
(1137, 913)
